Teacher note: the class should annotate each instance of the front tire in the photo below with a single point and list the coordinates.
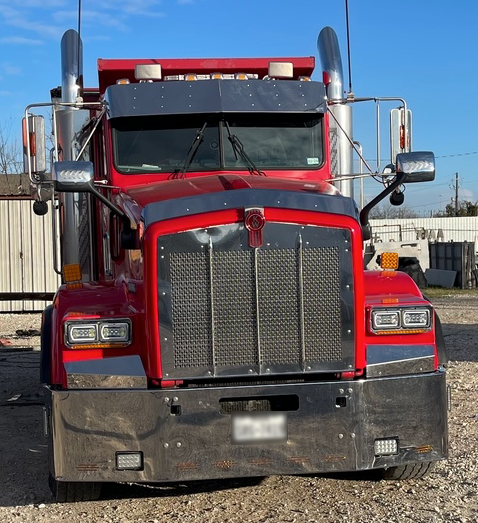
(71, 491)
(404, 472)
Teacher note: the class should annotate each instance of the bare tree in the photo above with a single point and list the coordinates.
(387, 211)
(11, 155)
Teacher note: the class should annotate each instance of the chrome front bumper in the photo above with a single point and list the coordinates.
(183, 434)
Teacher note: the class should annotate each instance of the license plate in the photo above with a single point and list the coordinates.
(259, 428)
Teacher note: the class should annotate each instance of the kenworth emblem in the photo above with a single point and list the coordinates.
(254, 222)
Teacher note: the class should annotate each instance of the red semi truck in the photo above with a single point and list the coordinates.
(215, 319)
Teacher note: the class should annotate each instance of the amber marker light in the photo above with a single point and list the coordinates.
(389, 261)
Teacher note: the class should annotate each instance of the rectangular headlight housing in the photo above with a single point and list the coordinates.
(417, 318)
(117, 331)
(98, 333)
(400, 320)
(385, 319)
(82, 332)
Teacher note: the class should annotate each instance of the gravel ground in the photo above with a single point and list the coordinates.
(447, 494)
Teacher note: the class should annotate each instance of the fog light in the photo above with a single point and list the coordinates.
(129, 461)
(385, 447)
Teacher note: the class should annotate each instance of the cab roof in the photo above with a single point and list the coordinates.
(111, 70)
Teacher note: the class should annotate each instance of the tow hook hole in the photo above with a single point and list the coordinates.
(340, 402)
(175, 410)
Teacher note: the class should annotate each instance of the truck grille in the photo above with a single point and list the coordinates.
(227, 310)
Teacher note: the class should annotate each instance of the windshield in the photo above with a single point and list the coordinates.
(163, 144)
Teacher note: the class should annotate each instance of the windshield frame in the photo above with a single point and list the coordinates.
(216, 129)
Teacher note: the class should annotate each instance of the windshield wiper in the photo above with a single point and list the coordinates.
(192, 152)
(238, 148)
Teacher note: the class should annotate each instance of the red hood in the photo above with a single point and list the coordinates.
(156, 192)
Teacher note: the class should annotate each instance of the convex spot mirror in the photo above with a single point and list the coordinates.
(417, 166)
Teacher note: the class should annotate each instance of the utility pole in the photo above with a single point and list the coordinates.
(456, 186)
(456, 194)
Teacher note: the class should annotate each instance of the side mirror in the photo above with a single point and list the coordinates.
(416, 167)
(400, 132)
(33, 137)
(72, 176)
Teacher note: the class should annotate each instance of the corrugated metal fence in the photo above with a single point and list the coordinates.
(460, 229)
(25, 256)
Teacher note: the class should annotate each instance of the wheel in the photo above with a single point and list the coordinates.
(412, 471)
(70, 491)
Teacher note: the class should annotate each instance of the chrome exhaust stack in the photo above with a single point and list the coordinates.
(341, 150)
(74, 207)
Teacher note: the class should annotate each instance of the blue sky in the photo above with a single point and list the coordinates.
(423, 51)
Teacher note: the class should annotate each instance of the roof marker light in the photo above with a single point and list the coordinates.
(122, 81)
(281, 70)
(147, 72)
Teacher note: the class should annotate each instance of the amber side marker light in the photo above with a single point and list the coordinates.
(72, 276)
(389, 261)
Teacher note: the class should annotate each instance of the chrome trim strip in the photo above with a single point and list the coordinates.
(211, 301)
(258, 313)
(394, 360)
(302, 309)
(122, 372)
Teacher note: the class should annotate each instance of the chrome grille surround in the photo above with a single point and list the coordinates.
(226, 309)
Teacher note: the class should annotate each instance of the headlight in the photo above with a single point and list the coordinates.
(82, 333)
(385, 320)
(404, 320)
(100, 333)
(416, 318)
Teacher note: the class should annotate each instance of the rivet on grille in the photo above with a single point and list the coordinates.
(179, 444)
(166, 400)
(250, 371)
(176, 398)
(166, 445)
(341, 436)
